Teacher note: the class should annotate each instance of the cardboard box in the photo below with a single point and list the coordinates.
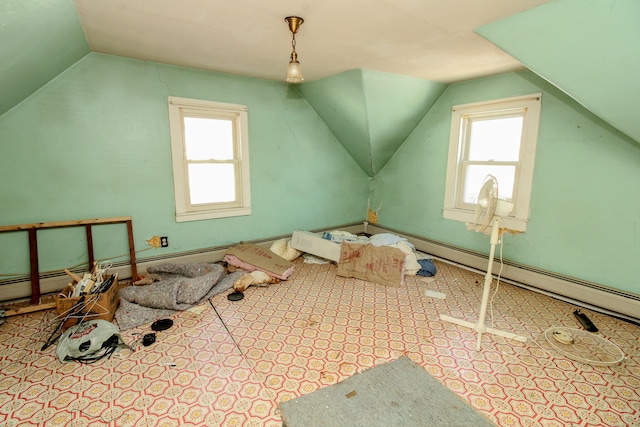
(252, 257)
(94, 306)
(377, 264)
(314, 244)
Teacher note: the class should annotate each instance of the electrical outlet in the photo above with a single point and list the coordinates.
(164, 241)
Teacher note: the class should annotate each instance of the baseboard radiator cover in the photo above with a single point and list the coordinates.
(576, 291)
(582, 293)
(20, 287)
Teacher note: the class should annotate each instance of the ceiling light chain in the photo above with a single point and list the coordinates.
(294, 55)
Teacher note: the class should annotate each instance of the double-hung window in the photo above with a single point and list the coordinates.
(210, 155)
(498, 138)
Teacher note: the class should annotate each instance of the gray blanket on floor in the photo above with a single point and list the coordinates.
(180, 287)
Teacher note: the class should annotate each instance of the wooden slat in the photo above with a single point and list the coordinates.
(132, 252)
(90, 245)
(30, 309)
(73, 275)
(57, 224)
(33, 261)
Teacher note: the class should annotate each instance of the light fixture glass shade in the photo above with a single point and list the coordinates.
(294, 72)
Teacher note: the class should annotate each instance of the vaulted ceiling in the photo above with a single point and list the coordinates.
(590, 50)
(372, 67)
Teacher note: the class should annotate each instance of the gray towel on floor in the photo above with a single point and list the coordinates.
(130, 315)
(144, 304)
(175, 292)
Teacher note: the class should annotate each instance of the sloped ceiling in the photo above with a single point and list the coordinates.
(429, 39)
(371, 113)
(415, 48)
(588, 49)
(39, 39)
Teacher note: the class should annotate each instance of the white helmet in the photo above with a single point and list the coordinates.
(89, 341)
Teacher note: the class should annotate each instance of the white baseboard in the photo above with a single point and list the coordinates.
(576, 291)
(579, 292)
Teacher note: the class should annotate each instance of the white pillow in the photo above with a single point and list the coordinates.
(283, 248)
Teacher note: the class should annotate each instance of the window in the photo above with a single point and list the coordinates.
(210, 154)
(498, 138)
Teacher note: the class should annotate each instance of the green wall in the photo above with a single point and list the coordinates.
(589, 49)
(39, 40)
(94, 142)
(371, 113)
(585, 207)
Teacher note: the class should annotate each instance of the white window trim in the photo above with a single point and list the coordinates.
(519, 217)
(238, 113)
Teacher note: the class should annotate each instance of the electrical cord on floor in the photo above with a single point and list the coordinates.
(229, 332)
(273, 397)
(535, 341)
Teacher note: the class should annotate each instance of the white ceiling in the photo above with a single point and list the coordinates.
(429, 39)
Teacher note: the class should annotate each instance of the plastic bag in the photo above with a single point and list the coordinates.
(89, 341)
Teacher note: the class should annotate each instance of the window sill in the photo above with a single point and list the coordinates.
(221, 213)
(510, 223)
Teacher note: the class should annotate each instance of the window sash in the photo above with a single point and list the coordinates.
(193, 172)
(186, 210)
(189, 183)
(463, 173)
(469, 134)
(196, 151)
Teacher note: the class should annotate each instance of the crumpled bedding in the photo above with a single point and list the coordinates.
(388, 239)
(180, 287)
(177, 290)
(411, 264)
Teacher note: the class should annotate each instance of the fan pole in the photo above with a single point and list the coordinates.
(480, 327)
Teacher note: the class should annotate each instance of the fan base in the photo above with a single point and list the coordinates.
(481, 329)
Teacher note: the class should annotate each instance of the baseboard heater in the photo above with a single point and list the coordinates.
(586, 294)
(20, 287)
(579, 292)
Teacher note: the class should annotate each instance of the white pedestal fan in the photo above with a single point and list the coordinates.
(488, 214)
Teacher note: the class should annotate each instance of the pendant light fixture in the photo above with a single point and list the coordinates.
(294, 72)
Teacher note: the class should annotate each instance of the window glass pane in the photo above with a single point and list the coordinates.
(495, 139)
(474, 179)
(207, 139)
(211, 183)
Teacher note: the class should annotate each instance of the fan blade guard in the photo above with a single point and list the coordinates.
(486, 205)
